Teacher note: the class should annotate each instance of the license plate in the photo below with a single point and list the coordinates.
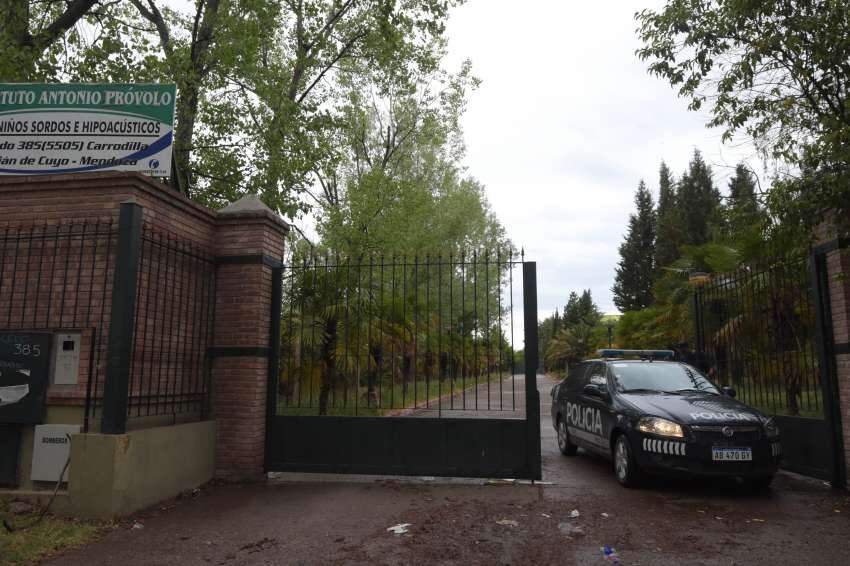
(728, 454)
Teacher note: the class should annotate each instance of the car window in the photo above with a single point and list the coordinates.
(660, 376)
(577, 377)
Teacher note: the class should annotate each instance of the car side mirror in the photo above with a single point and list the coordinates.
(594, 390)
(728, 391)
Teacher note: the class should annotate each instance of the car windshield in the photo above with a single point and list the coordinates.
(659, 376)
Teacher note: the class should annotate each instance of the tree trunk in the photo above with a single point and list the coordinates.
(406, 372)
(189, 83)
(329, 358)
(792, 387)
(186, 115)
(21, 48)
(374, 374)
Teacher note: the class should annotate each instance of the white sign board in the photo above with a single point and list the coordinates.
(72, 128)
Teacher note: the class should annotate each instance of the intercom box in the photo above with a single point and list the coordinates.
(66, 358)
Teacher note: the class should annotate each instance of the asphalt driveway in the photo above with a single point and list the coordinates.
(308, 519)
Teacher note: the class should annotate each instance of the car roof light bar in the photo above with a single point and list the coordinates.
(641, 354)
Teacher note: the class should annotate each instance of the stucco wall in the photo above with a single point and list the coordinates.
(114, 475)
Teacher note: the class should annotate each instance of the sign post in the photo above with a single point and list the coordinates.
(74, 128)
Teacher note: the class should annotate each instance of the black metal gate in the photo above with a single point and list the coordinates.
(404, 366)
(767, 333)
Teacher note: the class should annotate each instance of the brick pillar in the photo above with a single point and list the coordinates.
(249, 243)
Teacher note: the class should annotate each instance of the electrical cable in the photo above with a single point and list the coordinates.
(10, 528)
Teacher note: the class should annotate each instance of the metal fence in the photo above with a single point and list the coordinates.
(390, 336)
(169, 369)
(56, 277)
(173, 327)
(758, 326)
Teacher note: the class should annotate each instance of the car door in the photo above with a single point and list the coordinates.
(574, 407)
(596, 414)
(562, 391)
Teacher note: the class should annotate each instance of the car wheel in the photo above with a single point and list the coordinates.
(566, 447)
(760, 483)
(625, 466)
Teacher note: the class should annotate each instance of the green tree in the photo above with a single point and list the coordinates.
(572, 314)
(776, 70)
(581, 331)
(634, 273)
(30, 31)
(698, 203)
(668, 231)
(260, 82)
(669, 319)
(581, 309)
(394, 183)
(745, 218)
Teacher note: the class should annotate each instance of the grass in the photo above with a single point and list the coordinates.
(773, 401)
(392, 399)
(51, 534)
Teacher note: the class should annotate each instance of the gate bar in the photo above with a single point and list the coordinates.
(532, 397)
(118, 358)
(826, 358)
(274, 357)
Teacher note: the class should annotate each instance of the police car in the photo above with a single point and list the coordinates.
(652, 414)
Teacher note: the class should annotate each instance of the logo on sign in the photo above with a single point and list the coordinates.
(153, 163)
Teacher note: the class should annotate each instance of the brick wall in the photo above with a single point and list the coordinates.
(59, 235)
(188, 304)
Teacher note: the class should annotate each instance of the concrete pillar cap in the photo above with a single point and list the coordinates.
(248, 203)
(250, 206)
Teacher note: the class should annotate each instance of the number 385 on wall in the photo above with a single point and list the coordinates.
(33, 350)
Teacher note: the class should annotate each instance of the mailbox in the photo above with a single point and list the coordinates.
(24, 373)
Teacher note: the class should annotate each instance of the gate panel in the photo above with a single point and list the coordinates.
(400, 446)
(760, 328)
(404, 367)
(806, 446)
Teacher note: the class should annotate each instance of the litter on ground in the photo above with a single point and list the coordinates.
(610, 555)
(399, 529)
(507, 522)
(569, 529)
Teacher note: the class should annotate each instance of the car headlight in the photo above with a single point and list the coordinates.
(660, 427)
(771, 429)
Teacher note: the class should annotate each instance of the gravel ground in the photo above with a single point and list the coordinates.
(310, 519)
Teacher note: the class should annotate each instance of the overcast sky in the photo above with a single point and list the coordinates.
(565, 124)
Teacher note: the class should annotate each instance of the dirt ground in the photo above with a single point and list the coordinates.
(336, 520)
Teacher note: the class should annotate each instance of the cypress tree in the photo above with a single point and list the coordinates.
(572, 314)
(668, 232)
(698, 202)
(581, 310)
(590, 314)
(743, 205)
(633, 282)
(744, 217)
